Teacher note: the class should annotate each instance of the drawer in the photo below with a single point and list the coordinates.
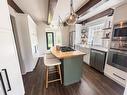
(116, 74)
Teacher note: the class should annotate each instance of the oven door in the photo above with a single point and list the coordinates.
(118, 59)
(120, 33)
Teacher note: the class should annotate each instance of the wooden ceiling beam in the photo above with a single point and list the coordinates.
(87, 6)
(108, 12)
(14, 6)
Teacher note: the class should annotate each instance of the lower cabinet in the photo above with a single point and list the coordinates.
(97, 59)
(86, 50)
(116, 74)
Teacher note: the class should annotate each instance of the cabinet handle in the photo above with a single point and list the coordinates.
(3, 84)
(4, 70)
(118, 76)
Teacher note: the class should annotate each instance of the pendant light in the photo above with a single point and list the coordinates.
(73, 16)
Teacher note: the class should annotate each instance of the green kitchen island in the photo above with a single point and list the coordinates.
(71, 65)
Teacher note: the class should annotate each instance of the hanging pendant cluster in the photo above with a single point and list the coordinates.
(73, 16)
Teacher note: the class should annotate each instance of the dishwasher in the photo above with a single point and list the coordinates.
(97, 59)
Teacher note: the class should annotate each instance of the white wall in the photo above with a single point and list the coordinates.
(41, 34)
(120, 14)
(12, 11)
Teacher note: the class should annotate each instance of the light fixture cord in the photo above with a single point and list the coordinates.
(71, 7)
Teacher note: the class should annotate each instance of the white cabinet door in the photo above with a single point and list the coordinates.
(10, 65)
(4, 15)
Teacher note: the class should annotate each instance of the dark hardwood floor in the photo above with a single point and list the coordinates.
(92, 83)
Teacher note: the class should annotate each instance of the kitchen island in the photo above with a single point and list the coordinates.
(71, 65)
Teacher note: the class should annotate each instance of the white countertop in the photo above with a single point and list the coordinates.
(94, 47)
(100, 48)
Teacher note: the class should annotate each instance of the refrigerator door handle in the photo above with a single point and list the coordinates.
(7, 79)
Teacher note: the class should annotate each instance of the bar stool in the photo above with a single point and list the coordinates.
(49, 55)
(52, 62)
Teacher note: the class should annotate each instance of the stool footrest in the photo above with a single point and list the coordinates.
(53, 72)
(54, 80)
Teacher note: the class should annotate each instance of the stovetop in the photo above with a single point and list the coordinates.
(66, 49)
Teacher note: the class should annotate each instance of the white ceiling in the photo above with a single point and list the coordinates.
(63, 9)
(36, 8)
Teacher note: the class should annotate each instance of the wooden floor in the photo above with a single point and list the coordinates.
(92, 83)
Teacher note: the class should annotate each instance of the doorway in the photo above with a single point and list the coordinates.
(49, 39)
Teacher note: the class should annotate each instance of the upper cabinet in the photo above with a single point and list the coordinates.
(4, 16)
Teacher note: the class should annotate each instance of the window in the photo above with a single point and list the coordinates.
(49, 39)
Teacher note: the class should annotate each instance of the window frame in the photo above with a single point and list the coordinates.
(47, 39)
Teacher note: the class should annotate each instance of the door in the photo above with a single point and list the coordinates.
(49, 39)
(10, 69)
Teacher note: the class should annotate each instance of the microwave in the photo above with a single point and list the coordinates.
(120, 32)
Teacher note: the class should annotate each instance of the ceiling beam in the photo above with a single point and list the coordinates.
(14, 6)
(51, 9)
(108, 12)
(87, 6)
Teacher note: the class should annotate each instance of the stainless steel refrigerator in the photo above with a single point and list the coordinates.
(72, 39)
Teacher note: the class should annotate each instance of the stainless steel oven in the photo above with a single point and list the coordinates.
(117, 55)
(120, 31)
(118, 59)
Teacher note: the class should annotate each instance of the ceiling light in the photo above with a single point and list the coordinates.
(73, 16)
